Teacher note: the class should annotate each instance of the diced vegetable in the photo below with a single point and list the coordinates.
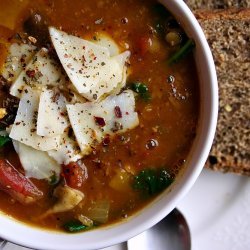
(151, 181)
(99, 212)
(173, 38)
(74, 174)
(67, 199)
(182, 52)
(142, 90)
(144, 43)
(17, 185)
(121, 181)
(74, 226)
(85, 220)
(4, 140)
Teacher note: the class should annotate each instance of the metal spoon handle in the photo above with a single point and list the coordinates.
(2, 244)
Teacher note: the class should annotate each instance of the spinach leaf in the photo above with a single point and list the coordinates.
(142, 90)
(151, 181)
(4, 140)
(182, 52)
(75, 226)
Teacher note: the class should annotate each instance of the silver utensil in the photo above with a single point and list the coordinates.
(172, 233)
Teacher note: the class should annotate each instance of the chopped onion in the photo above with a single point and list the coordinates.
(100, 211)
(85, 220)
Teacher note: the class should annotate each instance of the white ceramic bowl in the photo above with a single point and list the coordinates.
(34, 238)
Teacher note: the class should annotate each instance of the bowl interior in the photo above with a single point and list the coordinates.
(162, 205)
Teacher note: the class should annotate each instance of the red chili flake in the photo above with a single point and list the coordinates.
(99, 121)
(31, 73)
(22, 60)
(106, 141)
(118, 112)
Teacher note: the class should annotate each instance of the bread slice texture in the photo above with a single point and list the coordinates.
(228, 34)
(217, 4)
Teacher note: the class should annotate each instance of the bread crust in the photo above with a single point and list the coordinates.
(217, 4)
(228, 34)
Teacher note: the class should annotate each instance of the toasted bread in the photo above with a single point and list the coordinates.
(217, 4)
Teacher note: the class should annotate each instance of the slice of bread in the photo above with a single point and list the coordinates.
(228, 34)
(217, 4)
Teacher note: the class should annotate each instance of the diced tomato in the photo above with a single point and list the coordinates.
(74, 174)
(17, 185)
(144, 43)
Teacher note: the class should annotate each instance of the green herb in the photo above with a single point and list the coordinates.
(75, 226)
(142, 90)
(4, 140)
(53, 179)
(151, 181)
(182, 52)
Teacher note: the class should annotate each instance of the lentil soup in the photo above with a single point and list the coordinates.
(130, 157)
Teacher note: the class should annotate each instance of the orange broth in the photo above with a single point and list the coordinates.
(170, 117)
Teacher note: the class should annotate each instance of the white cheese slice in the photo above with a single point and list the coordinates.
(68, 150)
(89, 66)
(37, 164)
(106, 41)
(42, 71)
(52, 117)
(92, 122)
(18, 57)
(24, 127)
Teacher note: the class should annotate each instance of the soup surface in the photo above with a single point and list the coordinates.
(122, 172)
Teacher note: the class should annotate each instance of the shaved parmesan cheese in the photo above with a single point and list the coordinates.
(37, 164)
(24, 127)
(41, 71)
(18, 57)
(52, 114)
(106, 41)
(68, 150)
(91, 122)
(89, 66)
(122, 59)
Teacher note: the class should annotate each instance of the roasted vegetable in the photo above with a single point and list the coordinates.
(17, 185)
(151, 181)
(74, 174)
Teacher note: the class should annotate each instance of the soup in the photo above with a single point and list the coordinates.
(99, 109)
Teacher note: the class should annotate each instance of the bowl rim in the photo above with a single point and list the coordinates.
(114, 234)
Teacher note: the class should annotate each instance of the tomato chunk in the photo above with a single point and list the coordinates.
(74, 174)
(143, 44)
(17, 185)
